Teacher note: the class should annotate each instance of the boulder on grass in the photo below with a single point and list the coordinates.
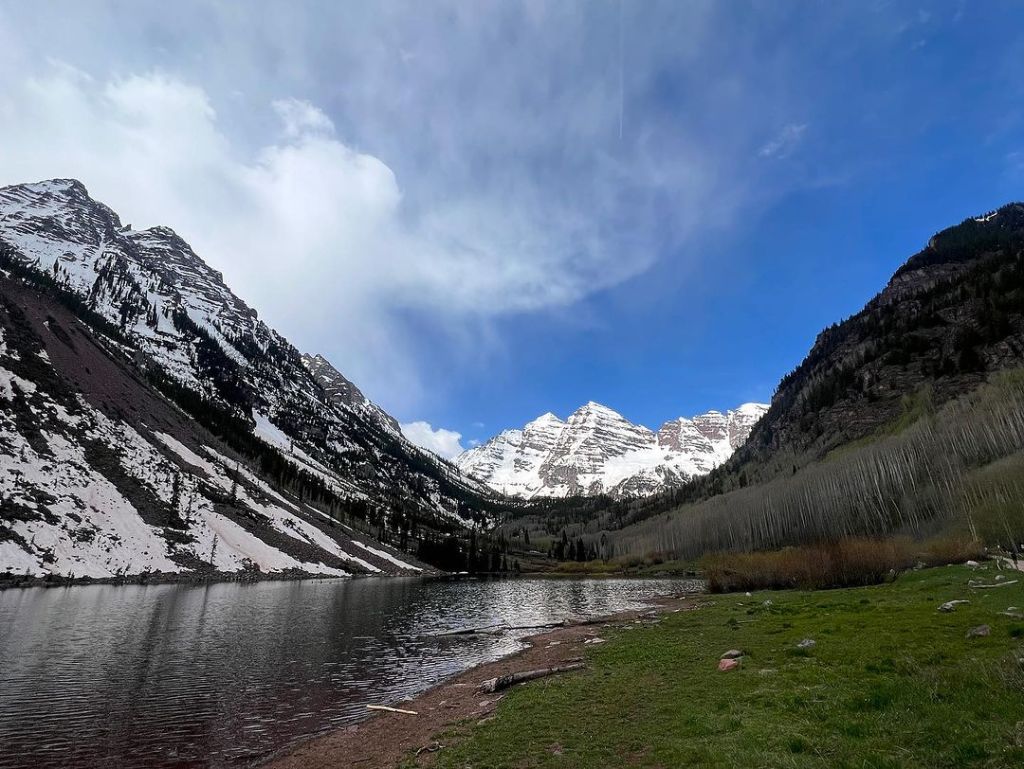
(949, 606)
(732, 654)
(807, 643)
(979, 632)
(728, 664)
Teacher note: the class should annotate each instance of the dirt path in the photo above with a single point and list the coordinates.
(383, 740)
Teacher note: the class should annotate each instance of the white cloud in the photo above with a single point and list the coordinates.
(311, 232)
(380, 185)
(783, 144)
(444, 443)
(301, 118)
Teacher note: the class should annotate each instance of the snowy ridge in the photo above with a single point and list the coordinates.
(598, 451)
(85, 525)
(167, 316)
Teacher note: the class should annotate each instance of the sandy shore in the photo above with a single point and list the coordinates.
(385, 739)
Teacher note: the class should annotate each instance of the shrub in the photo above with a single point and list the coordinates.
(847, 562)
(951, 549)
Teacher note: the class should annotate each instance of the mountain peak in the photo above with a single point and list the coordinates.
(309, 451)
(597, 450)
(593, 408)
(546, 419)
(55, 186)
(751, 408)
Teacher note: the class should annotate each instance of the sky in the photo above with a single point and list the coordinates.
(484, 211)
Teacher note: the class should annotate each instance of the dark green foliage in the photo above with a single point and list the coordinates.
(215, 365)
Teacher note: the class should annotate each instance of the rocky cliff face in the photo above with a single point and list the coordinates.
(280, 461)
(598, 451)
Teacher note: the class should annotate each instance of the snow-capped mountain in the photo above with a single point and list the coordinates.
(597, 450)
(152, 422)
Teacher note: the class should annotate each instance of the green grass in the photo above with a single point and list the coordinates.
(892, 682)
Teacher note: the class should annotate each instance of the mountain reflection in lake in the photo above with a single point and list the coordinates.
(222, 675)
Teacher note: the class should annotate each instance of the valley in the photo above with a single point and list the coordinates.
(195, 441)
(530, 384)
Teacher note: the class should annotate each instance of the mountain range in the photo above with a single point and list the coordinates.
(907, 416)
(598, 451)
(153, 423)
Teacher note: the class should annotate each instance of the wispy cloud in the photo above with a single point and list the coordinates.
(373, 176)
(785, 142)
(444, 443)
(306, 228)
(1015, 162)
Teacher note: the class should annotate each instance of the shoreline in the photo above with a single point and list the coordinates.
(181, 578)
(385, 739)
(9, 581)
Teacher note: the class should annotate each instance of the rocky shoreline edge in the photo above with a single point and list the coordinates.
(386, 739)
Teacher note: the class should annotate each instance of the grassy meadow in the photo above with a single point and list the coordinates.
(889, 682)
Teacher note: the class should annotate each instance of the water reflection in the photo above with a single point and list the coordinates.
(220, 675)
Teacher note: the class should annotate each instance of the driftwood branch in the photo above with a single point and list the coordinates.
(431, 748)
(504, 628)
(392, 710)
(545, 626)
(486, 630)
(983, 586)
(492, 685)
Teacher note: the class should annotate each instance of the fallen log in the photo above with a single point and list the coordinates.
(485, 630)
(492, 685)
(392, 710)
(545, 626)
(505, 628)
(983, 586)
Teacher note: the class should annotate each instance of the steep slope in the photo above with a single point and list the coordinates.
(949, 317)
(168, 327)
(100, 476)
(598, 451)
(908, 416)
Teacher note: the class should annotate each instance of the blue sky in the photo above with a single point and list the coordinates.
(484, 211)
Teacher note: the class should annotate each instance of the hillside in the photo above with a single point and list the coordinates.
(949, 317)
(906, 417)
(154, 423)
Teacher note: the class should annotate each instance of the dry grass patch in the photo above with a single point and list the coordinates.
(848, 562)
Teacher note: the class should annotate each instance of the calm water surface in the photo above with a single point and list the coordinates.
(223, 675)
